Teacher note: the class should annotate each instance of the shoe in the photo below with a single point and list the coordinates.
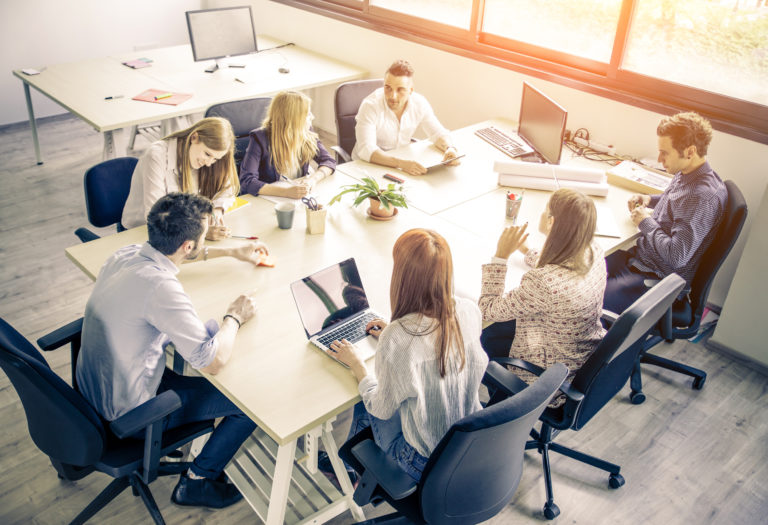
(212, 493)
(324, 466)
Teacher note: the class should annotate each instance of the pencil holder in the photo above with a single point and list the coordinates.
(316, 220)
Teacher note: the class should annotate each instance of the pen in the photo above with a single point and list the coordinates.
(251, 237)
(164, 95)
(113, 97)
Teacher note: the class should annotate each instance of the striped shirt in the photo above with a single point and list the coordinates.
(407, 382)
(684, 219)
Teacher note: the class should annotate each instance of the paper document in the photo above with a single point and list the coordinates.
(606, 222)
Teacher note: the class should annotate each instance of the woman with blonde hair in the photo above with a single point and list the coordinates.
(198, 159)
(429, 362)
(277, 158)
(556, 309)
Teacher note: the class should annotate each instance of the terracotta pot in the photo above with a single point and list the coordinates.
(379, 211)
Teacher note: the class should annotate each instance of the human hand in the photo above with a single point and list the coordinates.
(218, 232)
(638, 200)
(243, 308)
(451, 153)
(511, 239)
(411, 167)
(344, 351)
(296, 190)
(250, 252)
(639, 214)
(375, 327)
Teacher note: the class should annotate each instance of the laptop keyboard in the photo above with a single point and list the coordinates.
(497, 138)
(352, 331)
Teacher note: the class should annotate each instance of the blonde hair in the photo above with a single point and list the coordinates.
(215, 133)
(568, 242)
(292, 142)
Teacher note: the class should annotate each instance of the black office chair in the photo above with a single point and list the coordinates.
(683, 319)
(245, 116)
(107, 185)
(349, 96)
(602, 376)
(473, 472)
(64, 426)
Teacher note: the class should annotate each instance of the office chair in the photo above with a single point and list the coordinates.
(65, 426)
(683, 319)
(245, 116)
(473, 472)
(107, 185)
(349, 96)
(602, 376)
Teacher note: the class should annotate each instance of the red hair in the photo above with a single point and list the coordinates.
(422, 283)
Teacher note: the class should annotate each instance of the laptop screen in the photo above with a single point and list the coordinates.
(329, 296)
(542, 123)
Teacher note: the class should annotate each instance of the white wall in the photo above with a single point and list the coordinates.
(34, 33)
(464, 91)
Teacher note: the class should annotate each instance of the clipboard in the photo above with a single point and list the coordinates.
(174, 100)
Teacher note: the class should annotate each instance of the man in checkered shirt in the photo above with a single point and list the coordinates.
(676, 226)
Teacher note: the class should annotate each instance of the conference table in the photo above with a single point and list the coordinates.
(287, 386)
(82, 87)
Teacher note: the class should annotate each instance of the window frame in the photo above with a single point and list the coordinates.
(738, 117)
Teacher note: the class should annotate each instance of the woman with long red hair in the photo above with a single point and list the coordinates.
(429, 362)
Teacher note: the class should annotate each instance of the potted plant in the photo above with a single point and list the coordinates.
(384, 201)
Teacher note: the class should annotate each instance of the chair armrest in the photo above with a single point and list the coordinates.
(520, 363)
(381, 470)
(609, 317)
(145, 414)
(86, 235)
(498, 377)
(342, 155)
(570, 392)
(61, 336)
(650, 283)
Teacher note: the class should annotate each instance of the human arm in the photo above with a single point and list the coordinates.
(251, 176)
(527, 299)
(249, 252)
(240, 311)
(638, 200)
(411, 167)
(153, 170)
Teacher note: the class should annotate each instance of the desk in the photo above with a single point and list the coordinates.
(81, 86)
(284, 384)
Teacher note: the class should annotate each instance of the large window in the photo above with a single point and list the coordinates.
(709, 56)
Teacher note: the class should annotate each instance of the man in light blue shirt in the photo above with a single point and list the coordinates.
(137, 307)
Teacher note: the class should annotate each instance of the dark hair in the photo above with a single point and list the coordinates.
(400, 68)
(686, 129)
(175, 218)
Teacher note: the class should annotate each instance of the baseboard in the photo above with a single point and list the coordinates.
(736, 356)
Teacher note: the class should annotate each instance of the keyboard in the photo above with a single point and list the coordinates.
(353, 331)
(498, 139)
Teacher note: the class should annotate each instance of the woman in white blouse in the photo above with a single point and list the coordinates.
(558, 305)
(429, 362)
(199, 159)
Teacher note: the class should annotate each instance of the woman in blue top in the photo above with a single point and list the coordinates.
(278, 155)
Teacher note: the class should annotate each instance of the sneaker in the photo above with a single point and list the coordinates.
(213, 493)
(324, 466)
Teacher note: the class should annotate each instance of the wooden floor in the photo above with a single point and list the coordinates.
(688, 456)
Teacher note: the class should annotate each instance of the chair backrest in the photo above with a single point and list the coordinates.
(475, 469)
(609, 367)
(245, 116)
(107, 185)
(734, 217)
(61, 422)
(347, 101)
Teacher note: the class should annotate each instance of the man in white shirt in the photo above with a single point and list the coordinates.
(137, 307)
(389, 117)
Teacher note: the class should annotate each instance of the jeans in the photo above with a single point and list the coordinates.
(496, 339)
(625, 283)
(200, 400)
(388, 435)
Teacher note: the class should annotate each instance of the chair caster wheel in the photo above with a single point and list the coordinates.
(636, 398)
(551, 511)
(698, 382)
(616, 481)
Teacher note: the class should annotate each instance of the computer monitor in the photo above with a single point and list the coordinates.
(219, 33)
(542, 123)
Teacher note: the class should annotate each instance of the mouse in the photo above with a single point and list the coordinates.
(284, 70)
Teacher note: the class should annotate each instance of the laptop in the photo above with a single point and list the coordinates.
(333, 306)
(540, 134)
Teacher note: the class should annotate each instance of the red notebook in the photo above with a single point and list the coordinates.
(174, 100)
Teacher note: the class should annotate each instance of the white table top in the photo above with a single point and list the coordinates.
(82, 86)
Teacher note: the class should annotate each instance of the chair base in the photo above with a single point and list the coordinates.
(139, 488)
(636, 396)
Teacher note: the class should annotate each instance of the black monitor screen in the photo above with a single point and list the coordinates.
(219, 33)
(542, 123)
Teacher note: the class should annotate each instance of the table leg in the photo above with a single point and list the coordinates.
(114, 144)
(278, 497)
(340, 470)
(32, 123)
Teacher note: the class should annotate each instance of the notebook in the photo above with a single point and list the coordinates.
(332, 305)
